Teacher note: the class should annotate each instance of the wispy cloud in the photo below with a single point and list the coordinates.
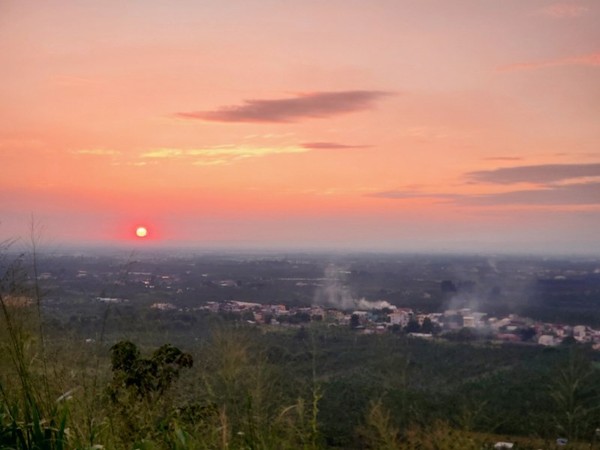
(544, 173)
(580, 194)
(564, 10)
(225, 156)
(408, 195)
(218, 155)
(96, 152)
(330, 145)
(163, 153)
(503, 158)
(570, 194)
(558, 184)
(589, 59)
(270, 135)
(303, 106)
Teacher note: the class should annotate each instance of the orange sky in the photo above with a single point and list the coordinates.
(394, 125)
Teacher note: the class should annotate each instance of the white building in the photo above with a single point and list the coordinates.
(400, 317)
(579, 332)
(468, 321)
(547, 340)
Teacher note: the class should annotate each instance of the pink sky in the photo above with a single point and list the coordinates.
(394, 125)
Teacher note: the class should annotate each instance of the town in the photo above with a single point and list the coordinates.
(461, 298)
(460, 325)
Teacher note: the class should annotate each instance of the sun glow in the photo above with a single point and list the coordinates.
(141, 232)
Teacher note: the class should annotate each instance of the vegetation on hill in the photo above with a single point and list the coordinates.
(150, 381)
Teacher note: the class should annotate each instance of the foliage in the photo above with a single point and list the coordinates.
(138, 388)
(148, 377)
(29, 418)
(379, 432)
(304, 386)
(575, 395)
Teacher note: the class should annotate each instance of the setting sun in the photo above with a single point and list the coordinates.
(141, 232)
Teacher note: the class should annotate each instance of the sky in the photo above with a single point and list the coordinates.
(384, 125)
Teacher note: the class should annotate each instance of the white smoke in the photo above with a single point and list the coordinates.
(493, 265)
(460, 301)
(378, 304)
(333, 292)
(336, 294)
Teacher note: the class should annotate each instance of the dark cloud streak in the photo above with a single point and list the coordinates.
(504, 158)
(408, 195)
(579, 194)
(571, 194)
(546, 173)
(309, 105)
(561, 184)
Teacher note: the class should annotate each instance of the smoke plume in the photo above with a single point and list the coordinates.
(336, 294)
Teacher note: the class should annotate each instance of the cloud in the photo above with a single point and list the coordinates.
(96, 152)
(330, 145)
(571, 194)
(545, 173)
(503, 158)
(303, 106)
(564, 10)
(222, 155)
(228, 154)
(408, 195)
(270, 135)
(560, 184)
(590, 60)
(162, 153)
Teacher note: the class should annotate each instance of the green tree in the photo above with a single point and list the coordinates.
(412, 327)
(574, 396)
(139, 409)
(427, 326)
(146, 375)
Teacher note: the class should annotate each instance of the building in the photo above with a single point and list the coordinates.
(400, 316)
(547, 340)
